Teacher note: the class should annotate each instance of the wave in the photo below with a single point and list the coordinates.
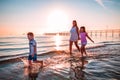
(9, 49)
(14, 58)
(111, 42)
(17, 58)
(46, 42)
(14, 37)
(12, 44)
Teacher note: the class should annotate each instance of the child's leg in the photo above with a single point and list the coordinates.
(36, 61)
(82, 51)
(85, 52)
(29, 60)
(76, 44)
(35, 58)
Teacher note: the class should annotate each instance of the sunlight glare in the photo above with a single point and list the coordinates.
(57, 39)
(57, 20)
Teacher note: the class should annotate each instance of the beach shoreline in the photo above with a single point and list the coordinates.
(58, 65)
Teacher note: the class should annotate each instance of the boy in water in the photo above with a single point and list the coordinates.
(32, 48)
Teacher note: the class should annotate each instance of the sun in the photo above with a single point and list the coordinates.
(57, 21)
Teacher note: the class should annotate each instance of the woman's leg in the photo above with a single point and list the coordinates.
(76, 44)
(70, 47)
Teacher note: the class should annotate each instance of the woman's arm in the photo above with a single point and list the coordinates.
(89, 37)
(78, 33)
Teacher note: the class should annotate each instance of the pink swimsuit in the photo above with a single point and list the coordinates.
(83, 38)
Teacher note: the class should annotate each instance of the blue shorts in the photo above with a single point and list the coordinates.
(34, 58)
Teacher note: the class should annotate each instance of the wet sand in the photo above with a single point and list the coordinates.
(102, 64)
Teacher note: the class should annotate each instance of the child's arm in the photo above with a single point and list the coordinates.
(34, 50)
(89, 37)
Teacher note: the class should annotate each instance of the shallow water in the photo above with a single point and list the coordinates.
(102, 64)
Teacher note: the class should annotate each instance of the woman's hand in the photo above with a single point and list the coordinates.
(79, 38)
(93, 41)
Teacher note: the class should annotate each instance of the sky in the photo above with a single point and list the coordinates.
(43, 16)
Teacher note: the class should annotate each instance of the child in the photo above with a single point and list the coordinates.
(32, 48)
(83, 34)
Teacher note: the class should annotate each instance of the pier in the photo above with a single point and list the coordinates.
(111, 32)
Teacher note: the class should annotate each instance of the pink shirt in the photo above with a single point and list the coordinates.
(83, 37)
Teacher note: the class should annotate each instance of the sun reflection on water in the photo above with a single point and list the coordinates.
(58, 42)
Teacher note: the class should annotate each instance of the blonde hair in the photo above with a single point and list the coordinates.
(75, 23)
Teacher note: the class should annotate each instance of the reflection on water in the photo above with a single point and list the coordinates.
(77, 66)
(31, 73)
(58, 66)
(57, 39)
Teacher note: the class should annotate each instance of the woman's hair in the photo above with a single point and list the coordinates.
(75, 23)
(83, 27)
(30, 33)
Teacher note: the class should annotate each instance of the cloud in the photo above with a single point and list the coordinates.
(100, 2)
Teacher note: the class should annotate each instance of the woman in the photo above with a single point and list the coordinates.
(74, 36)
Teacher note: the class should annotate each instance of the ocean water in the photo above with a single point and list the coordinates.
(102, 64)
(16, 46)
